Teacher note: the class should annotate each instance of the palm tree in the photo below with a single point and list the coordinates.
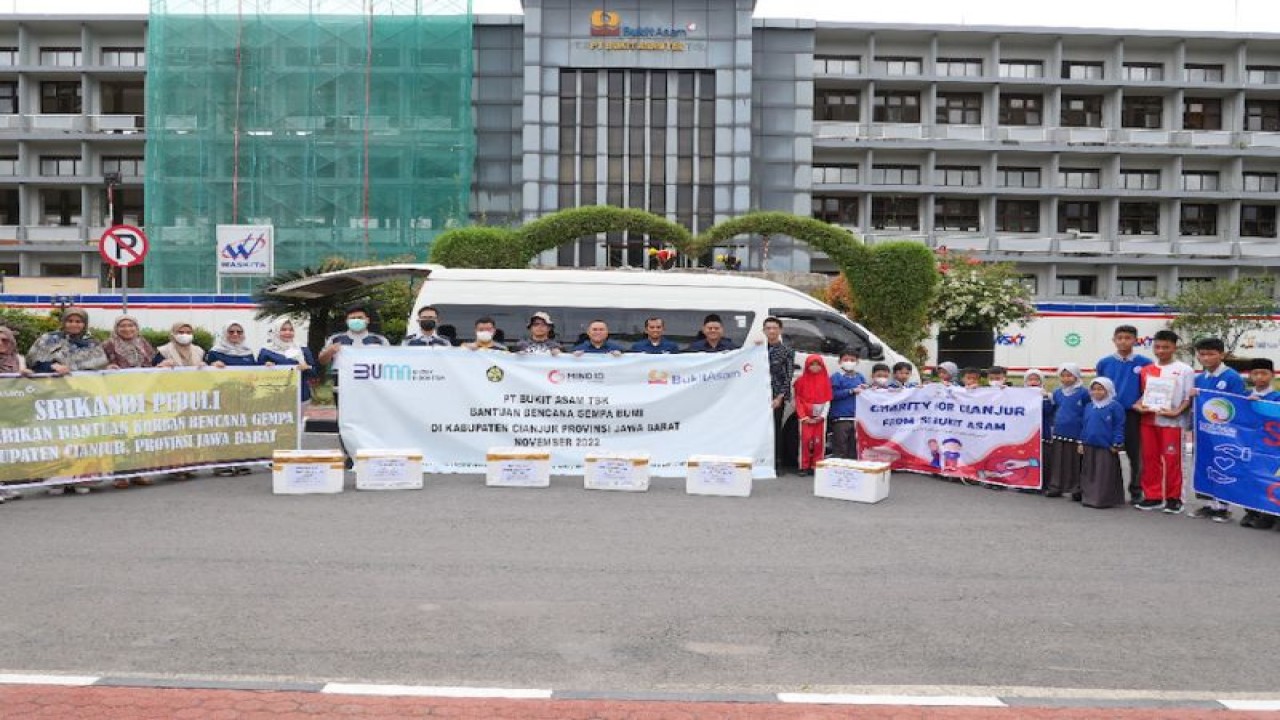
(321, 313)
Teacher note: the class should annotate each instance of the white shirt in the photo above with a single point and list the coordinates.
(1184, 377)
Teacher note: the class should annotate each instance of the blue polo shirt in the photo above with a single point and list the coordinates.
(1224, 379)
(725, 345)
(609, 346)
(664, 347)
(1124, 374)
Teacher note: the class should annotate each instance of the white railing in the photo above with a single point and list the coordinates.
(1024, 134)
(54, 233)
(1204, 138)
(1211, 248)
(1262, 139)
(11, 122)
(1024, 244)
(63, 123)
(959, 132)
(1259, 248)
(122, 124)
(1082, 136)
(1145, 247)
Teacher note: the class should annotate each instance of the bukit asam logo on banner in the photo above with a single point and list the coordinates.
(608, 23)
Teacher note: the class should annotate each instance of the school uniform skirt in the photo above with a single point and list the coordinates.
(1101, 484)
(1064, 467)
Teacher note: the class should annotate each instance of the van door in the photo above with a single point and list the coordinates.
(824, 333)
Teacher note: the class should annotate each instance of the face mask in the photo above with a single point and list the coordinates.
(427, 325)
(996, 383)
(848, 366)
(357, 324)
(484, 336)
(880, 381)
(183, 338)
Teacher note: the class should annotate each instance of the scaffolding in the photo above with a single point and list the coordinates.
(346, 125)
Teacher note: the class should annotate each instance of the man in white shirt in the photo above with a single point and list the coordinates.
(1162, 421)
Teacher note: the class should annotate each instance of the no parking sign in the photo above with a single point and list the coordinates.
(123, 246)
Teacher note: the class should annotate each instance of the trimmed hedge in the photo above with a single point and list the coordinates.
(552, 231)
(835, 241)
(894, 286)
(480, 247)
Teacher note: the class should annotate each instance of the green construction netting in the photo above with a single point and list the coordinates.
(345, 125)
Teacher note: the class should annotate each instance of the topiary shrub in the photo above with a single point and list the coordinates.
(893, 289)
(552, 231)
(839, 244)
(480, 247)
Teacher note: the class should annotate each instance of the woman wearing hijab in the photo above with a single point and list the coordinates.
(126, 348)
(181, 350)
(1102, 439)
(1068, 421)
(229, 349)
(948, 373)
(11, 360)
(282, 350)
(69, 349)
(813, 399)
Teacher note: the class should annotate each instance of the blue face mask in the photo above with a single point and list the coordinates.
(357, 324)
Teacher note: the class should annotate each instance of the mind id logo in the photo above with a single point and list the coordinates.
(1218, 411)
(605, 23)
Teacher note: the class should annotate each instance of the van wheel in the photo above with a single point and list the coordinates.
(790, 444)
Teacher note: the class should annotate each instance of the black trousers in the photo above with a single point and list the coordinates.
(778, 445)
(1133, 448)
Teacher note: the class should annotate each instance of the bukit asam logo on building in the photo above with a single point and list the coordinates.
(608, 23)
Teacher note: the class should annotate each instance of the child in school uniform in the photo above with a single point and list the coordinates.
(997, 376)
(1033, 379)
(1102, 439)
(1068, 422)
(948, 373)
(902, 377)
(971, 378)
(1262, 375)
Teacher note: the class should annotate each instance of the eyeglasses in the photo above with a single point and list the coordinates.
(235, 332)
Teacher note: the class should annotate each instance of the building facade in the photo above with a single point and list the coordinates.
(1110, 165)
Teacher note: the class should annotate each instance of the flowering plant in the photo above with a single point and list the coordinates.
(666, 257)
(977, 294)
(730, 261)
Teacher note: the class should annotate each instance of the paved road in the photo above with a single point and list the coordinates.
(941, 585)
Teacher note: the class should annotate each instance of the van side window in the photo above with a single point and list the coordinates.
(820, 333)
(626, 325)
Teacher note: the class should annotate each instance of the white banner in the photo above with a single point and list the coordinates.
(245, 249)
(456, 404)
(990, 435)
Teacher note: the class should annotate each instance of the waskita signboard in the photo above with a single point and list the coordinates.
(246, 249)
(456, 404)
(989, 435)
(1237, 446)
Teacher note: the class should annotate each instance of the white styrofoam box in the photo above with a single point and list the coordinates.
(628, 472)
(517, 467)
(856, 480)
(304, 472)
(718, 475)
(389, 470)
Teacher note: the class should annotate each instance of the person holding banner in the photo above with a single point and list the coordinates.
(69, 349)
(655, 341)
(541, 340)
(813, 399)
(1101, 440)
(181, 350)
(428, 324)
(846, 384)
(282, 350)
(713, 339)
(1218, 377)
(1166, 395)
(1032, 378)
(598, 342)
(230, 350)
(1068, 422)
(11, 361)
(1261, 380)
(126, 348)
(902, 377)
(486, 334)
(948, 373)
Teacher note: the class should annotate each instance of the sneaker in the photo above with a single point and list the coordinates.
(1173, 507)
(1077, 497)
(1149, 505)
(1264, 522)
(81, 490)
(1221, 516)
(1135, 498)
(1204, 512)
(1249, 517)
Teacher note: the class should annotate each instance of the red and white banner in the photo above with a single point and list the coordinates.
(990, 435)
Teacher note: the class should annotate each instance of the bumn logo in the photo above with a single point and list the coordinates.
(605, 23)
(381, 371)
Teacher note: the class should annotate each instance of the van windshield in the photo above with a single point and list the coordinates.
(626, 325)
(821, 333)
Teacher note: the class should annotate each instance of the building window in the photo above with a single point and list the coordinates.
(1021, 69)
(8, 56)
(60, 166)
(1258, 221)
(1031, 283)
(123, 98)
(1081, 111)
(1136, 286)
(959, 109)
(129, 167)
(60, 56)
(959, 67)
(60, 97)
(8, 166)
(9, 210)
(1261, 182)
(1199, 219)
(1077, 285)
(1200, 181)
(835, 174)
(836, 210)
(1140, 179)
(1262, 115)
(837, 64)
(59, 207)
(1202, 114)
(1186, 284)
(897, 107)
(1200, 73)
(895, 213)
(838, 106)
(1078, 216)
(1020, 177)
(1142, 112)
(1263, 74)
(1139, 218)
(899, 65)
(1020, 109)
(124, 57)
(9, 97)
(1143, 72)
(956, 214)
(1080, 178)
(957, 175)
(1017, 216)
(1079, 70)
(895, 175)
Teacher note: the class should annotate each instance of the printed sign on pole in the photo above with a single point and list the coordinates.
(246, 249)
(123, 246)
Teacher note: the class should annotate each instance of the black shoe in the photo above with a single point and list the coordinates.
(1249, 517)
(805, 472)
(1149, 505)
(1173, 507)
(1053, 493)
(1221, 516)
(1135, 498)
(1263, 522)
(1077, 497)
(1204, 512)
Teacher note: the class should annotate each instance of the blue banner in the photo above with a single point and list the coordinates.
(1238, 450)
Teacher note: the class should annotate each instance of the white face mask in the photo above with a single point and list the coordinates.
(183, 338)
(484, 336)
(996, 383)
(848, 366)
(880, 381)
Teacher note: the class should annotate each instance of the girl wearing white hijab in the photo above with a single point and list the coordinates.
(281, 349)
(1068, 421)
(1102, 439)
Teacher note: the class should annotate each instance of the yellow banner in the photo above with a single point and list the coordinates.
(102, 425)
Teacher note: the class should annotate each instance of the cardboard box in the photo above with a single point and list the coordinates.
(627, 472)
(518, 467)
(389, 470)
(718, 475)
(857, 480)
(306, 472)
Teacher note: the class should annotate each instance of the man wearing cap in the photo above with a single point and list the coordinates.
(428, 323)
(654, 342)
(541, 340)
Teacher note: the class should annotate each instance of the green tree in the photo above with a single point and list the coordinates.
(480, 247)
(977, 294)
(893, 287)
(1223, 309)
